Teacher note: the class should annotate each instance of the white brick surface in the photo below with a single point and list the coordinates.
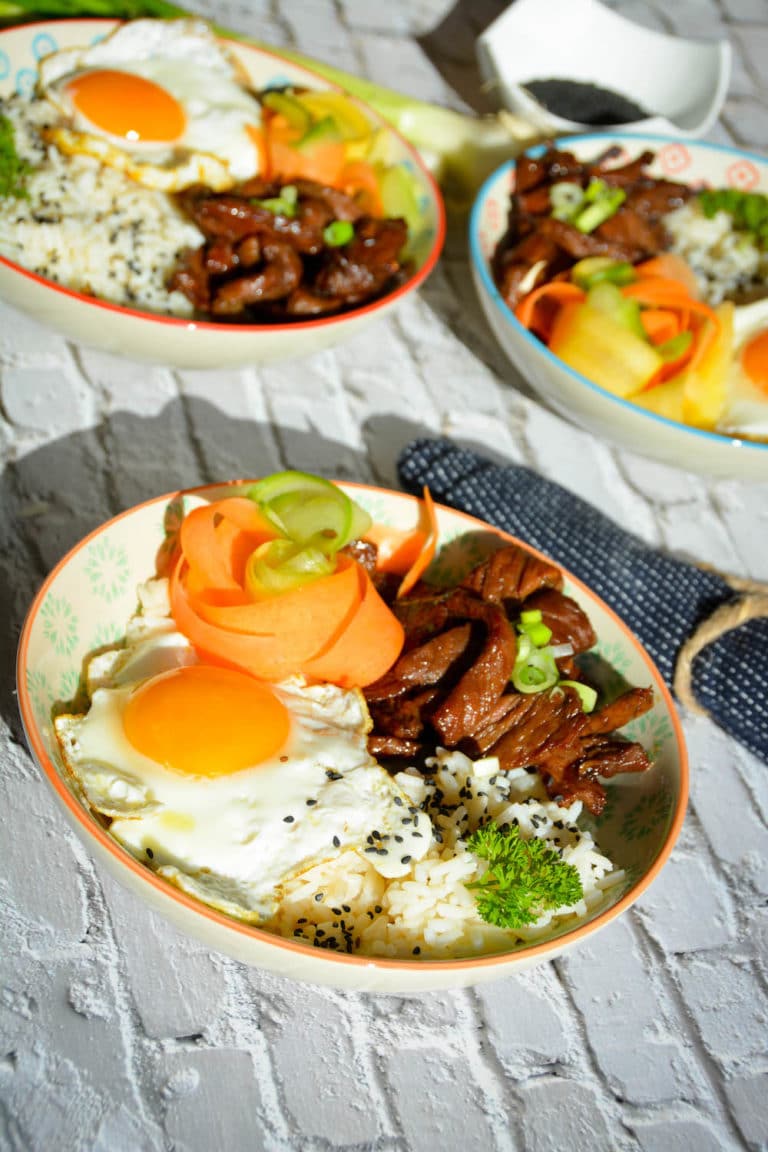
(117, 1034)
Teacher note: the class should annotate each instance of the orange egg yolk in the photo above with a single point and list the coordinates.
(754, 360)
(206, 721)
(127, 106)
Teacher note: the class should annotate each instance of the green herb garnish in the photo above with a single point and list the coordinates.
(13, 170)
(524, 878)
(748, 210)
(338, 233)
(286, 204)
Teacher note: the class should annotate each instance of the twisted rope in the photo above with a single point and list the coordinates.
(750, 604)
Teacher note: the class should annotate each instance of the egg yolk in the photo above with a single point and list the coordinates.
(754, 360)
(206, 721)
(127, 106)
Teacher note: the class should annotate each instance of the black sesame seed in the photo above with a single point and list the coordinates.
(346, 907)
(378, 908)
(417, 951)
(405, 859)
(336, 912)
(287, 819)
(418, 835)
(332, 775)
(371, 849)
(398, 801)
(150, 853)
(319, 897)
(336, 842)
(310, 802)
(399, 839)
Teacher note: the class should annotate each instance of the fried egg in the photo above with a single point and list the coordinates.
(159, 100)
(746, 406)
(226, 786)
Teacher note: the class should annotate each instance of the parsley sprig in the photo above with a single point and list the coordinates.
(13, 170)
(524, 878)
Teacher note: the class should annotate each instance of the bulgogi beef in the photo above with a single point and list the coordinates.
(451, 685)
(268, 258)
(537, 247)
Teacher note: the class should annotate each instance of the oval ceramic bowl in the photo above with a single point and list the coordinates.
(85, 603)
(567, 391)
(181, 342)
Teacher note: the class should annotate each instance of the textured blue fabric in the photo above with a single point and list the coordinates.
(660, 598)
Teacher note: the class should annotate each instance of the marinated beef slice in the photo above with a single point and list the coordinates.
(451, 685)
(537, 248)
(259, 265)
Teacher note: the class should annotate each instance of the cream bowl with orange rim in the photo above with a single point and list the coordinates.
(83, 608)
(118, 233)
(580, 400)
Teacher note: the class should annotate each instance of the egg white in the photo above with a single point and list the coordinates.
(234, 840)
(746, 406)
(184, 58)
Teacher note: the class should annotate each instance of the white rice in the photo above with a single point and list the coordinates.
(344, 905)
(89, 227)
(727, 262)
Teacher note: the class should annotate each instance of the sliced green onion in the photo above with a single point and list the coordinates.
(524, 648)
(536, 673)
(338, 232)
(283, 205)
(596, 269)
(601, 204)
(565, 199)
(586, 694)
(531, 624)
(539, 633)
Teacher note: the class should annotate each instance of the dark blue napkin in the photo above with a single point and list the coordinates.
(663, 600)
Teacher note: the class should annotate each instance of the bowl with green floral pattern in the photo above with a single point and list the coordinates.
(337, 855)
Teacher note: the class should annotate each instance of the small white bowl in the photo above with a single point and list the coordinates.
(185, 343)
(680, 83)
(567, 391)
(92, 592)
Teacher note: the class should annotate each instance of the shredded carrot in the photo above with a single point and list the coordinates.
(538, 309)
(396, 548)
(366, 648)
(424, 559)
(254, 654)
(359, 180)
(669, 266)
(660, 324)
(323, 161)
(258, 138)
(335, 628)
(315, 610)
